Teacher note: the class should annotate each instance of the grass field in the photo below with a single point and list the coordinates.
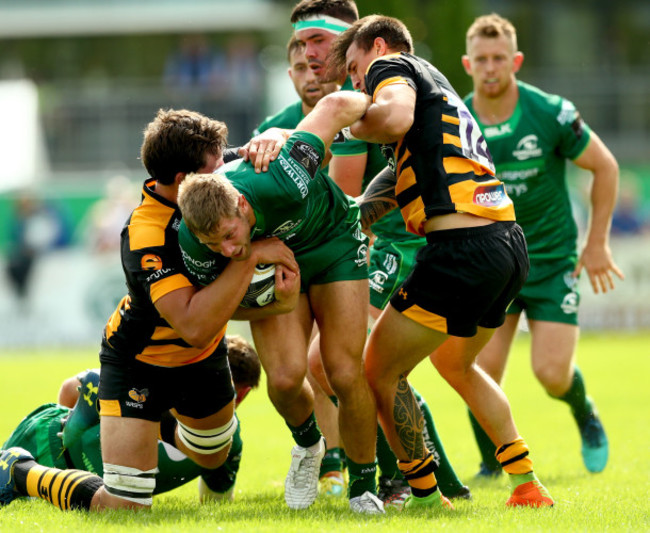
(617, 371)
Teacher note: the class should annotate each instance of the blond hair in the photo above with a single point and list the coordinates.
(492, 26)
(206, 199)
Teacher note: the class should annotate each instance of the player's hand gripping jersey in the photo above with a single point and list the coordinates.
(442, 164)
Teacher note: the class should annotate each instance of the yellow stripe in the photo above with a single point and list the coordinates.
(33, 477)
(450, 119)
(448, 138)
(148, 223)
(396, 80)
(171, 356)
(109, 408)
(167, 285)
(461, 165)
(426, 318)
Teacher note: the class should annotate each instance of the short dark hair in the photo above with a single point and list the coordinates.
(341, 9)
(179, 141)
(293, 46)
(364, 32)
(245, 365)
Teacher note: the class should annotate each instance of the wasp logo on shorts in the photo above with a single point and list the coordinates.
(139, 396)
(151, 262)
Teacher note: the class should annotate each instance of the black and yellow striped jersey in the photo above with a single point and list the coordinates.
(442, 163)
(153, 266)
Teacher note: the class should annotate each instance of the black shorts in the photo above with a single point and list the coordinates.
(464, 278)
(141, 390)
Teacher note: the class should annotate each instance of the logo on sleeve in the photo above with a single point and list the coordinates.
(151, 262)
(307, 156)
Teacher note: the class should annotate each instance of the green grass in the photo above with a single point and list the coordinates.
(616, 369)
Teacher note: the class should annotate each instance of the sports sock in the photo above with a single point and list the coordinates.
(577, 399)
(445, 473)
(386, 460)
(420, 476)
(306, 434)
(513, 457)
(485, 445)
(331, 462)
(361, 478)
(66, 489)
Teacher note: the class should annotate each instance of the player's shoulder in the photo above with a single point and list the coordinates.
(541, 100)
(288, 118)
(149, 222)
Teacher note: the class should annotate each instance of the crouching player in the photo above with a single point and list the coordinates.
(66, 436)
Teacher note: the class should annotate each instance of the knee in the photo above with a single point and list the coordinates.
(554, 378)
(287, 383)
(208, 447)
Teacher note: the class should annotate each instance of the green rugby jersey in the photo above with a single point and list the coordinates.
(529, 151)
(287, 118)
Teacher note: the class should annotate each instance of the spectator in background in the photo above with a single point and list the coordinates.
(627, 218)
(36, 228)
(196, 65)
(244, 77)
(108, 215)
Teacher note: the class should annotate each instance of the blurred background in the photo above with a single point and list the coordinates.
(80, 79)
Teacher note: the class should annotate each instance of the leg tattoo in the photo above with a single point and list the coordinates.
(408, 421)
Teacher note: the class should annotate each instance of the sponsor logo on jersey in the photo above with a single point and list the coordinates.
(286, 227)
(150, 262)
(497, 131)
(376, 281)
(296, 173)
(489, 195)
(191, 262)
(307, 156)
(176, 224)
(390, 263)
(527, 148)
(567, 114)
(139, 396)
(158, 274)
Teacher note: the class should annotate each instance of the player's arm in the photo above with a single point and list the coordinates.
(69, 392)
(389, 117)
(198, 315)
(334, 112)
(347, 172)
(596, 257)
(287, 292)
(378, 198)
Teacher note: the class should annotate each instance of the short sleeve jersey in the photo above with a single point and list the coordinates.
(442, 163)
(153, 266)
(530, 150)
(295, 201)
(391, 226)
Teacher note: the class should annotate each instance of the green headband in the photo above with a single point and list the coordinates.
(322, 22)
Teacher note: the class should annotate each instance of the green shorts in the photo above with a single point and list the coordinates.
(343, 257)
(551, 293)
(390, 263)
(37, 433)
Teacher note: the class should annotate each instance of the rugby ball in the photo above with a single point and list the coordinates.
(261, 290)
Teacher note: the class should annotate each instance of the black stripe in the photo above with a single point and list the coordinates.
(514, 459)
(408, 195)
